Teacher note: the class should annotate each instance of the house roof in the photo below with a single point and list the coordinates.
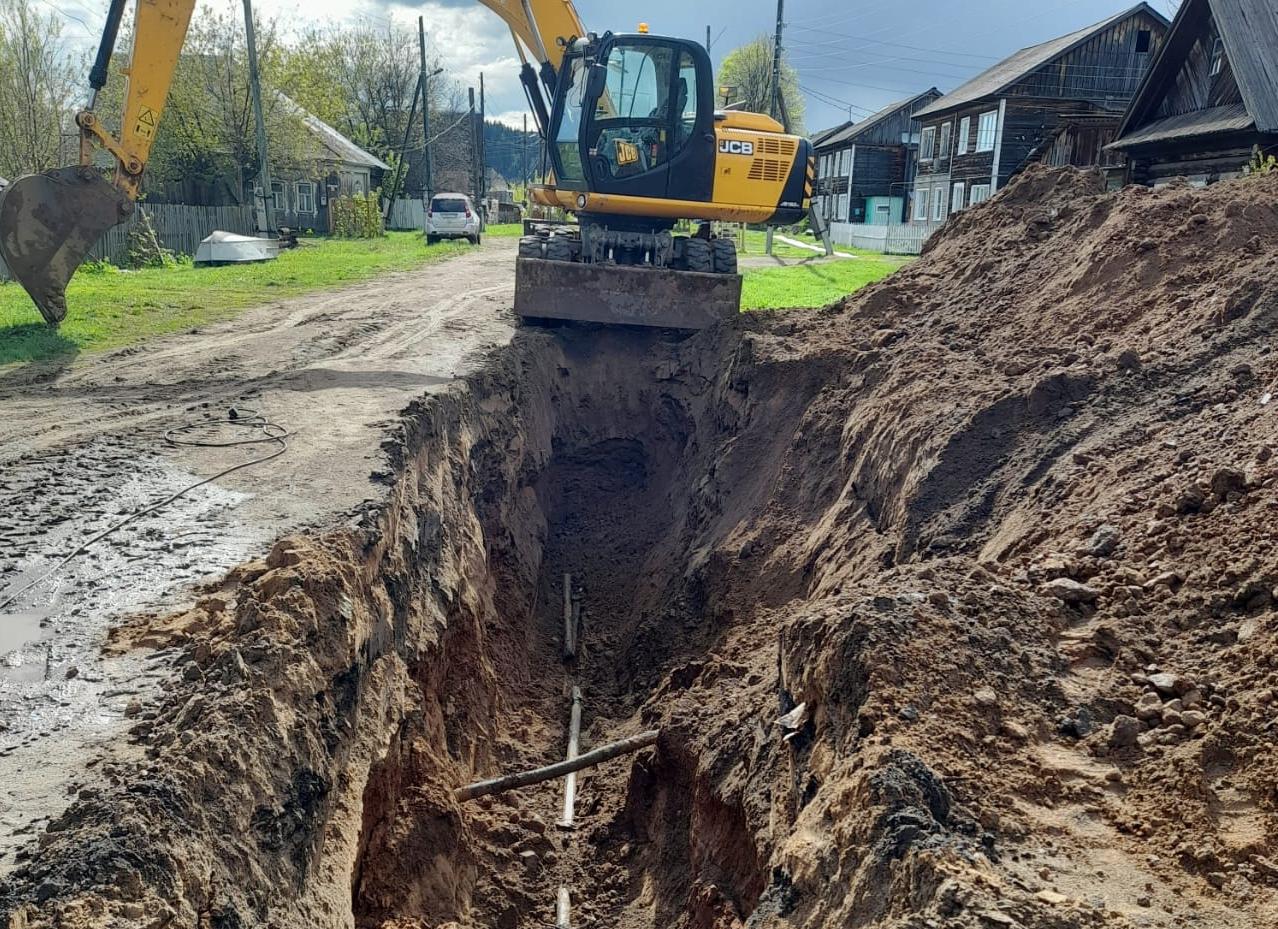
(1211, 121)
(819, 138)
(1009, 71)
(850, 132)
(1249, 31)
(338, 147)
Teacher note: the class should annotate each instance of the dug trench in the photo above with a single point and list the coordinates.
(954, 604)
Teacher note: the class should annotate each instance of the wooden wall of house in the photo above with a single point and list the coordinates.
(1082, 145)
(876, 169)
(1195, 87)
(1225, 157)
(1107, 70)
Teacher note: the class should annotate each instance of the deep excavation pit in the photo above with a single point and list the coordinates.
(955, 604)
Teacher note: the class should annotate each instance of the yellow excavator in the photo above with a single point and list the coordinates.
(634, 144)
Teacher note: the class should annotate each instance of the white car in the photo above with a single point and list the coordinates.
(452, 216)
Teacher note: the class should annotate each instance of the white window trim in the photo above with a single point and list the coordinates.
(927, 144)
(978, 194)
(920, 203)
(945, 140)
(279, 192)
(987, 142)
(965, 135)
(298, 187)
(939, 203)
(956, 197)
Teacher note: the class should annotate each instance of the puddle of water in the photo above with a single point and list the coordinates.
(21, 628)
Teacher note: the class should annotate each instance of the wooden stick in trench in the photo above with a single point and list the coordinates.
(550, 772)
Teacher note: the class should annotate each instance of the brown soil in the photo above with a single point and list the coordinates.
(996, 536)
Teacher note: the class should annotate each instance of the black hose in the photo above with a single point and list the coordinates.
(243, 418)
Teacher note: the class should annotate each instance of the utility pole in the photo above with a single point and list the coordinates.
(263, 162)
(523, 156)
(707, 38)
(777, 105)
(474, 150)
(483, 150)
(424, 84)
(776, 61)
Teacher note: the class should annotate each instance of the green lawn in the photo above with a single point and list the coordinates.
(108, 310)
(505, 230)
(813, 283)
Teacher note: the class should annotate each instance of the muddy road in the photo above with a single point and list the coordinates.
(83, 444)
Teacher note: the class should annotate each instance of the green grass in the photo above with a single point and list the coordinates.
(109, 310)
(505, 230)
(814, 283)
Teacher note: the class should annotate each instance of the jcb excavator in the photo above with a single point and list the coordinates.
(634, 145)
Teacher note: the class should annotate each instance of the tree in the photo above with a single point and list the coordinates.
(39, 78)
(206, 132)
(747, 73)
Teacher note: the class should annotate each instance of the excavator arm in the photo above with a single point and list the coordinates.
(49, 221)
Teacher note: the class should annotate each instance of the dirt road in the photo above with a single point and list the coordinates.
(82, 445)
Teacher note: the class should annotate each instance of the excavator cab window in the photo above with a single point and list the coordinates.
(647, 131)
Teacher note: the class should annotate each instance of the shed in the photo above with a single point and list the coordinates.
(1210, 99)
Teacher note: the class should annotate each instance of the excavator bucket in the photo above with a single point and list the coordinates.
(623, 296)
(48, 223)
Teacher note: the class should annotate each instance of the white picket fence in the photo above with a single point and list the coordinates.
(178, 226)
(891, 239)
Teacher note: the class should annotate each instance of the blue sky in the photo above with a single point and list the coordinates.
(852, 57)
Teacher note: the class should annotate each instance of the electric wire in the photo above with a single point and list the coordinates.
(271, 433)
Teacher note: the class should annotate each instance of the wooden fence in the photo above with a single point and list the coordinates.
(178, 226)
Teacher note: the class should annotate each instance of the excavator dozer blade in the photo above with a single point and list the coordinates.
(48, 223)
(624, 296)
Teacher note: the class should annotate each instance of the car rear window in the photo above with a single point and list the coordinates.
(448, 205)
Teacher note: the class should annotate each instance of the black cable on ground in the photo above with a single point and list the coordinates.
(271, 433)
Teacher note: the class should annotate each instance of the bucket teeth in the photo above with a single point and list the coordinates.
(48, 223)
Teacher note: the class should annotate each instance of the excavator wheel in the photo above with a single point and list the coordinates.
(532, 246)
(725, 256)
(700, 256)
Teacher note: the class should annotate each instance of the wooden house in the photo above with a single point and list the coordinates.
(1060, 102)
(1210, 99)
(865, 169)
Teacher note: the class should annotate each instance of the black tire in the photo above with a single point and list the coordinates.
(530, 246)
(432, 239)
(479, 240)
(725, 256)
(700, 256)
(559, 248)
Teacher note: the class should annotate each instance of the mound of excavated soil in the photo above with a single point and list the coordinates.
(996, 537)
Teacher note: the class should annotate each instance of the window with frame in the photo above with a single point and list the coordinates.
(1217, 57)
(927, 144)
(946, 129)
(956, 198)
(938, 204)
(964, 136)
(305, 193)
(980, 193)
(1144, 41)
(279, 201)
(920, 204)
(986, 131)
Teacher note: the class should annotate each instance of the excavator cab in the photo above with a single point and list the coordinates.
(634, 116)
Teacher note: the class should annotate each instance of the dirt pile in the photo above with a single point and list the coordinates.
(956, 604)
